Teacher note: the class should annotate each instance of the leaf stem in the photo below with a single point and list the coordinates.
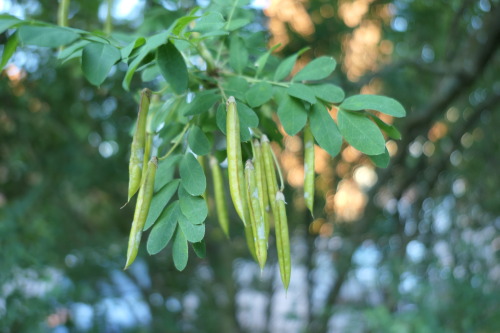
(176, 143)
(108, 24)
(62, 13)
(253, 80)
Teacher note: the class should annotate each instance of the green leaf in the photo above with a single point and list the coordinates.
(159, 201)
(172, 67)
(317, 69)
(192, 176)
(165, 172)
(238, 54)
(262, 60)
(202, 102)
(182, 22)
(194, 208)
(163, 230)
(214, 33)
(361, 132)
(200, 249)
(97, 60)
(194, 232)
(8, 21)
(70, 50)
(324, 129)
(292, 115)
(9, 49)
(285, 67)
(381, 160)
(236, 86)
(328, 92)
(150, 73)
(382, 104)
(303, 92)
(391, 130)
(151, 44)
(237, 23)
(180, 250)
(46, 36)
(259, 94)
(127, 50)
(198, 141)
(248, 119)
(210, 22)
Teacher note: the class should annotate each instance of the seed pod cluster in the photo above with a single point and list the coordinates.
(253, 191)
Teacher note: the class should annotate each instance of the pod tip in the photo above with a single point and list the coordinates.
(249, 165)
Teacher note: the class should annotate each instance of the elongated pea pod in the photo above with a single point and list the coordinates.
(138, 145)
(147, 152)
(201, 160)
(282, 240)
(234, 161)
(141, 211)
(309, 168)
(250, 241)
(220, 199)
(269, 174)
(277, 201)
(256, 217)
(260, 173)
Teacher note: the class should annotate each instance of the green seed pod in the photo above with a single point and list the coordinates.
(138, 145)
(147, 152)
(309, 168)
(250, 241)
(269, 173)
(282, 240)
(256, 217)
(141, 210)
(261, 183)
(234, 161)
(220, 199)
(277, 201)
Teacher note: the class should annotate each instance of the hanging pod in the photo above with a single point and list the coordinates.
(220, 198)
(141, 210)
(277, 201)
(137, 151)
(234, 161)
(256, 217)
(260, 178)
(309, 168)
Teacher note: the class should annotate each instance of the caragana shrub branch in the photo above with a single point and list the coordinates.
(216, 82)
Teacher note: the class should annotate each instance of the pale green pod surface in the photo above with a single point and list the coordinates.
(137, 150)
(141, 211)
(270, 174)
(309, 168)
(283, 241)
(234, 161)
(147, 152)
(250, 241)
(260, 173)
(220, 199)
(256, 218)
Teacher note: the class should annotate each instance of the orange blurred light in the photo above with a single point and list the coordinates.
(349, 201)
(437, 131)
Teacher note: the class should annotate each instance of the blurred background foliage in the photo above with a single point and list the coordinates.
(411, 248)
